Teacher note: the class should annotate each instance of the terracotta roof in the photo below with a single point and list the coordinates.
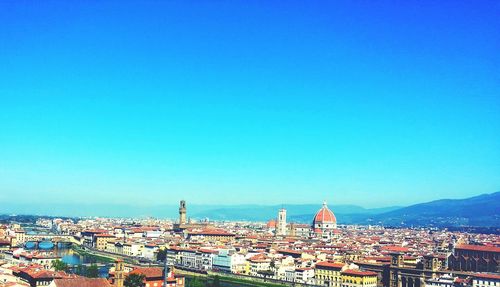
(394, 248)
(213, 232)
(359, 273)
(42, 273)
(271, 223)
(104, 235)
(95, 231)
(14, 284)
(82, 282)
(326, 264)
(324, 215)
(149, 272)
(487, 276)
(478, 248)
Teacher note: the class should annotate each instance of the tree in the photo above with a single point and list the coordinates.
(272, 264)
(216, 282)
(81, 270)
(161, 255)
(195, 282)
(134, 280)
(58, 265)
(92, 271)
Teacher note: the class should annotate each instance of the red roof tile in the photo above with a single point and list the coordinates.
(478, 248)
(82, 282)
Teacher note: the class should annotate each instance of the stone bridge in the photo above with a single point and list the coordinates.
(54, 238)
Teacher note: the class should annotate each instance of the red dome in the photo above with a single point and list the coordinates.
(271, 223)
(324, 215)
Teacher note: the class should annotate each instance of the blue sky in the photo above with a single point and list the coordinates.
(374, 103)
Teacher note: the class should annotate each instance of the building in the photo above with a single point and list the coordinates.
(444, 281)
(281, 229)
(81, 282)
(324, 223)
(182, 212)
(183, 223)
(5, 244)
(486, 280)
(132, 248)
(150, 250)
(304, 275)
(475, 258)
(119, 277)
(43, 259)
(213, 235)
(229, 261)
(259, 264)
(205, 257)
(20, 237)
(90, 236)
(39, 277)
(403, 273)
(101, 240)
(271, 225)
(299, 230)
(153, 276)
(358, 278)
(188, 259)
(329, 273)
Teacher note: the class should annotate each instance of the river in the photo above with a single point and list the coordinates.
(70, 257)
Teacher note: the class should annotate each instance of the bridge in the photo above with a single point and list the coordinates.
(89, 264)
(54, 238)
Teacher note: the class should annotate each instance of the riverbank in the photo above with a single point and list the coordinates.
(226, 280)
(97, 257)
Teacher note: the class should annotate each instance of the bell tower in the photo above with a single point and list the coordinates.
(281, 226)
(119, 276)
(182, 212)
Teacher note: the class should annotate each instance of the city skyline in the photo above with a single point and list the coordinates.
(372, 104)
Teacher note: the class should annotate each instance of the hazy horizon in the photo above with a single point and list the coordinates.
(170, 210)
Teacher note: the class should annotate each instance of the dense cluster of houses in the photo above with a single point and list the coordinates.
(346, 256)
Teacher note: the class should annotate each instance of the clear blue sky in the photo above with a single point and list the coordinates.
(373, 103)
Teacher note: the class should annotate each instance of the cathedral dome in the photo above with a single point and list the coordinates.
(271, 224)
(324, 215)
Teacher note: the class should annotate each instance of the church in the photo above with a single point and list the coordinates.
(324, 223)
(323, 226)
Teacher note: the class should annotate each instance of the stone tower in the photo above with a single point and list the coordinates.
(182, 212)
(119, 276)
(397, 259)
(431, 262)
(281, 225)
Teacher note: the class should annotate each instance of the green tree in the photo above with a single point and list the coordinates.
(81, 270)
(58, 265)
(196, 282)
(134, 280)
(272, 264)
(161, 255)
(216, 282)
(92, 271)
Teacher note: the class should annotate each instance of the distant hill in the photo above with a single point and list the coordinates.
(477, 211)
(482, 210)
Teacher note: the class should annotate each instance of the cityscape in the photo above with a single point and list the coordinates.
(62, 252)
(249, 143)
